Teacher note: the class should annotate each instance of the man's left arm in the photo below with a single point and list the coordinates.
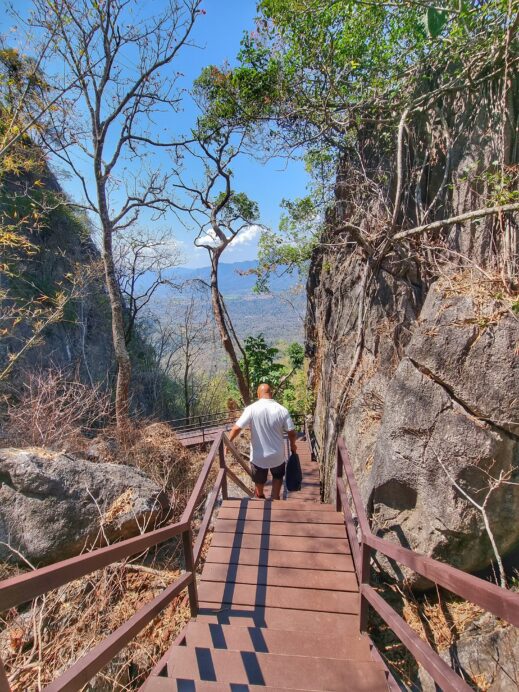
(292, 438)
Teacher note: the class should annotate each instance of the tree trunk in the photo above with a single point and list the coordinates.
(186, 388)
(124, 368)
(224, 332)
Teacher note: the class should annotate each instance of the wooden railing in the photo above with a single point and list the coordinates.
(26, 587)
(500, 602)
(205, 420)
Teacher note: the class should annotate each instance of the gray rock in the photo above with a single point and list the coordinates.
(468, 344)
(426, 441)
(53, 506)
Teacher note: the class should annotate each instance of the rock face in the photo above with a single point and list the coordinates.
(449, 420)
(53, 506)
(417, 366)
(432, 408)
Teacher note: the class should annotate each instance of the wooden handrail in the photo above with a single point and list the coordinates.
(441, 673)
(236, 454)
(500, 602)
(196, 494)
(96, 659)
(202, 531)
(491, 597)
(26, 587)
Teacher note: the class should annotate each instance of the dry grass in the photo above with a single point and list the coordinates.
(53, 407)
(61, 627)
(490, 301)
(38, 643)
(439, 618)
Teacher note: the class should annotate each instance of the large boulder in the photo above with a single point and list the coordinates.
(448, 432)
(54, 505)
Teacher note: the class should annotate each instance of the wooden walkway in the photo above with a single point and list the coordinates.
(278, 603)
(193, 438)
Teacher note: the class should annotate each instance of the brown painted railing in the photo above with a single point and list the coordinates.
(500, 602)
(26, 587)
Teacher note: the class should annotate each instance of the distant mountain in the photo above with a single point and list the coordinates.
(236, 278)
(278, 315)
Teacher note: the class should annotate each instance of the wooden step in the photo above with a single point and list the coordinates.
(262, 640)
(281, 504)
(279, 558)
(282, 619)
(217, 594)
(275, 670)
(158, 684)
(299, 544)
(182, 685)
(280, 576)
(280, 528)
(265, 513)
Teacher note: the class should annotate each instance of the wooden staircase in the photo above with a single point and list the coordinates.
(278, 603)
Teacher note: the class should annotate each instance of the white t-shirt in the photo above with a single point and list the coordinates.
(267, 421)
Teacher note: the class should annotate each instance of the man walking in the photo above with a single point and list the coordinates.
(268, 421)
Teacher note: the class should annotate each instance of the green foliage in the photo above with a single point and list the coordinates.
(264, 364)
(261, 366)
(296, 396)
(314, 74)
(237, 207)
(434, 21)
(296, 355)
(292, 246)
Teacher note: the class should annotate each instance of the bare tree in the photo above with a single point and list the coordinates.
(219, 214)
(119, 58)
(492, 483)
(141, 260)
(193, 332)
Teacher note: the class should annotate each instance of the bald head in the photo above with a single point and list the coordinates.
(264, 391)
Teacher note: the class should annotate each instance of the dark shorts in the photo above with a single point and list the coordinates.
(259, 475)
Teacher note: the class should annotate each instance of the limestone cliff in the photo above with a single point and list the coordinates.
(414, 357)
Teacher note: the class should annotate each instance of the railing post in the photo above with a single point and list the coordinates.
(365, 568)
(338, 474)
(187, 540)
(221, 453)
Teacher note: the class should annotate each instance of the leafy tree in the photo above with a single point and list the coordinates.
(363, 85)
(263, 364)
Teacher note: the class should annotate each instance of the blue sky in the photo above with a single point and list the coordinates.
(218, 34)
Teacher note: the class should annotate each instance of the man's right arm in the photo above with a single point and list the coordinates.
(236, 430)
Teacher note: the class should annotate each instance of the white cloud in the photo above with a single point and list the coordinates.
(248, 235)
(209, 238)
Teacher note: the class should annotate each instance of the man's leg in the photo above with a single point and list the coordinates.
(277, 480)
(259, 476)
(276, 488)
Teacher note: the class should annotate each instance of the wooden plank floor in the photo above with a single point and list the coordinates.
(278, 602)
